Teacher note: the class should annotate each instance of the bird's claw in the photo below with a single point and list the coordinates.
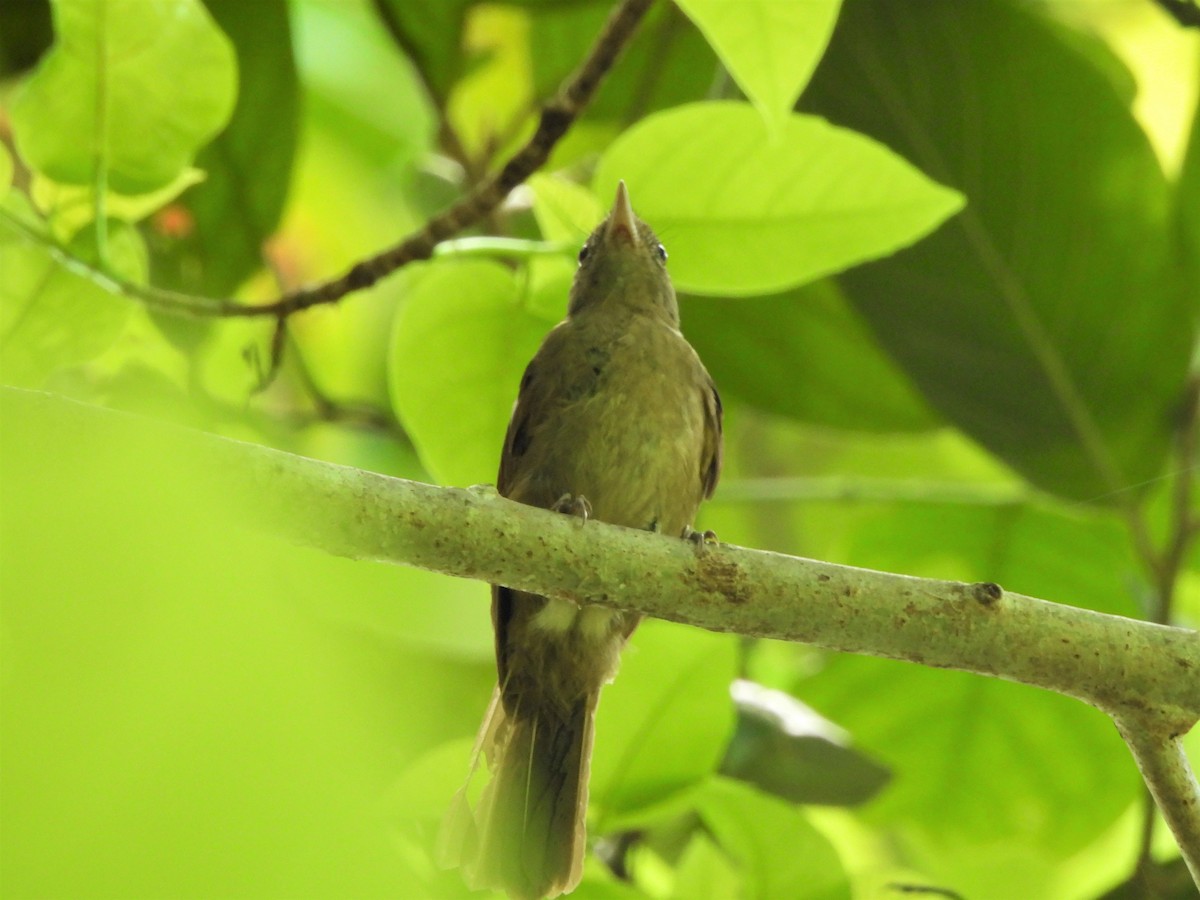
(699, 539)
(573, 505)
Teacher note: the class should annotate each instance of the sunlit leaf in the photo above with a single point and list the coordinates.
(488, 103)
(132, 87)
(743, 212)
(565, 211)
(769, 46)
(664, 722)
(459, 347)
(51, 318)
(704, 872)
(70, 206)
(779, 854)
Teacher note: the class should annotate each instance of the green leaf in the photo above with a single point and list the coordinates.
(663, 724)
(778, 852)
(134, 87)
(385, 131)
(769, 46)
(704, 872)
(806, 354)
(786, 749)
(745, 212)
(6, 170)
(1043, 550)
(979, 763)
(69, 207)
(1187, 208)
(460, 344)
(667, 63)
(430, 34)
(565, 211)
(229, 216)
(1047, 320)
(51, 318)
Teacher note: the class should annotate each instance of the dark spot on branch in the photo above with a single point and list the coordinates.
(987, 593)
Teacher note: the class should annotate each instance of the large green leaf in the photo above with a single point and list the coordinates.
(770, 47)
(248, 167)
(135, 87)
(1041, 550)
(51, 318)
(460, 344)
(1046, 320)
(805, 354)
(663, 724)
(746, 212)
(778, 852)
(1187, 209)
(982, 766)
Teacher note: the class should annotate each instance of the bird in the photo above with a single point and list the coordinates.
(617, 420)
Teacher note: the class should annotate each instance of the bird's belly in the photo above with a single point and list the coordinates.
(638, 462)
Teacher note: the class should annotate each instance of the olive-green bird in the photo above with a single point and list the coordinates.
(616, 419)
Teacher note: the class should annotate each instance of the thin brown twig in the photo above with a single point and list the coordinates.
(557, 115)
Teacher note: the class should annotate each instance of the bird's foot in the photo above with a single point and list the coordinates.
(573, 505)
(699, 539)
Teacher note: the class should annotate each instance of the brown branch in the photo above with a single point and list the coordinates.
(557, 115)
(1185, 12)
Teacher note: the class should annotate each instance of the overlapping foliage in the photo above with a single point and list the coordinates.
(953, 319)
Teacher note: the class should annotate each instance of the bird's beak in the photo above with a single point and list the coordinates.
(622, 225)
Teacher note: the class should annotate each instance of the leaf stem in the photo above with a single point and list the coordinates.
(100, 151)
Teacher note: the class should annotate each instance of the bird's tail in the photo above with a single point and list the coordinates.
(527, 834)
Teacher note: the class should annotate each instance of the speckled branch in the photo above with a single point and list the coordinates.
(1146, 676)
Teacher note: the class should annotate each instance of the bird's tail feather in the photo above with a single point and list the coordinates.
(527, 835)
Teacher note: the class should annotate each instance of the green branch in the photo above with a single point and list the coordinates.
(1141, 674)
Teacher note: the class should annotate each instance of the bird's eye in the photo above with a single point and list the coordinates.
(662, 252)
(583, 253)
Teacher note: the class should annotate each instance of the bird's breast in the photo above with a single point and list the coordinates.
(629, 433)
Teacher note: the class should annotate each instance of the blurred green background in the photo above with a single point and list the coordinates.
(193, 709)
